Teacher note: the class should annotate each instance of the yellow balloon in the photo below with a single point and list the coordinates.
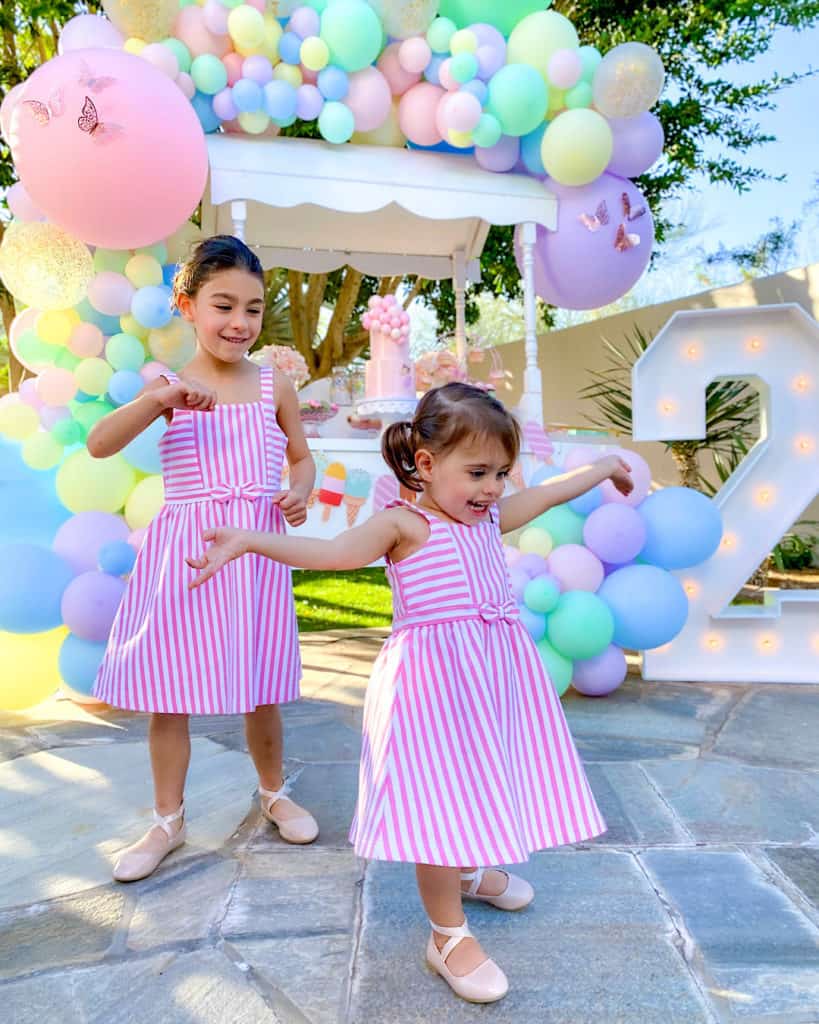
(41, 451)
(134, 46)
(288, 73)
(183, 240)
(255, 122)
(315, 53)
(537, 37)
(173, 345)
(464, 41)
(85, 484)
(577, 147)
(17, 420)
(133, 327)
(151, 20)
(30, 667)
(387, 134)
(272, 36)
(42, 266)
(56, 326)
(146, 499)
(461, 140)
(536, 541)
(246, 27)
(143, 270)
(93, 375)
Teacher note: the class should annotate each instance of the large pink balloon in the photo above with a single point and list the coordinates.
(590, 261)
(369, 98)
(109, 148)
(417, 112)
(89, 31)
(399, 78)
(21, 205)
(6, 108)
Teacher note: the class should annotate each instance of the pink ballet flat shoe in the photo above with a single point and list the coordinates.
(140, 860)
(517, 894)
(300, 831)
(486, 984)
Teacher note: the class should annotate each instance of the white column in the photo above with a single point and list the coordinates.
(531, 401)
(238, 213)
(459, 284)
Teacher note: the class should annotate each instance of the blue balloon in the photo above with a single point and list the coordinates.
(534, 624)
(116, 558)
(649, 606)
(79, 662)
(107, 324)
(290, 48)
(151, 306)
(31, 588)
(30, 511)
(333, 83)
(479, 89)
(280, 100)
(82, 398)
(432, 73)
(442, 147)
(247, 96)
(124, 386)
(544, 473)
(530, 151)
(169, 273)
(143, 452)
(683, 528)
(203, 108)
(586, 503)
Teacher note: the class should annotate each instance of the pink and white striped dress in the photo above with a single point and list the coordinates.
(467, 757)
(231, 645)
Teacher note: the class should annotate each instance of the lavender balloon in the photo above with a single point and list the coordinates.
(638, 144)
(596, 677)
(89, 604)
(601, 247)
(615, 533)
(501, 157)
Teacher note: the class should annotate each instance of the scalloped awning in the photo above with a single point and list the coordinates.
(315, 207)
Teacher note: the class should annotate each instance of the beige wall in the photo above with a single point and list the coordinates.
(566, 356)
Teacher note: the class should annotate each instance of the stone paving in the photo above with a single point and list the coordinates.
(700, 904)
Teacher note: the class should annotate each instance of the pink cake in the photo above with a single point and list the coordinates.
(390, 373)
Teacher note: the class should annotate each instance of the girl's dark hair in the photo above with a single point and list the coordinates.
(220, 252)
(444, 418)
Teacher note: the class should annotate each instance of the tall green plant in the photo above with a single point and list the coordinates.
(731, 413)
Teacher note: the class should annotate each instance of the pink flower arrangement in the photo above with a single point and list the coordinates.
(316, 411)
(286, 360)
(441, 366)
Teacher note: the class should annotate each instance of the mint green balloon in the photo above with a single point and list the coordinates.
(111, 259)
(559, 669)
(590, 57)
(318, 5)
(67, 432)
(66, 360)
(439, 34)
(518, 98)
(180, 51)
(503, 14)
(579, 96)
(487, 132)
(336, 123)
(33, 351)
(564, 525)
(125, 352)
(352, 31)
(581, 626)
(463, 67)
(209, 74)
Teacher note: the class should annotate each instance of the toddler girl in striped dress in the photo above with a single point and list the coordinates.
(467, 759)
(234, 649)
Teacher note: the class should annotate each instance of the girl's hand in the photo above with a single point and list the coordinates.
(186, 395)
(619, 473)
(226, 543)
(293, 505)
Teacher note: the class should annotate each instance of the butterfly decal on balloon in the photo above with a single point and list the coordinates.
(89, 121)
(593, 222)
(44, 113)
(625, 239)
(94, 83)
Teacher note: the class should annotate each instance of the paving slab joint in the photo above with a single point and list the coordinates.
(357, 933)
(678, 822)
(711, 737)
(284, 1010)
(774, 874)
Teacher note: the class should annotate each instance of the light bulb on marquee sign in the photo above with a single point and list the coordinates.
(776, 348)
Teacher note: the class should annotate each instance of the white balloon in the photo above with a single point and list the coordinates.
(628, 81)
(404, 18)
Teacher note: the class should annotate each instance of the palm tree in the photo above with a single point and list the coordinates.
(731, 413)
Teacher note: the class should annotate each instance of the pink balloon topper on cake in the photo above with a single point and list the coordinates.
(385, 316)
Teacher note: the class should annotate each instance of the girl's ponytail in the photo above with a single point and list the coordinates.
(398, 452)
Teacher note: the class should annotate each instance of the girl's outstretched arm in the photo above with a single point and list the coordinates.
(519, 509)
(352, 549)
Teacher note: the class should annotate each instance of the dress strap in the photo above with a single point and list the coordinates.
(403, 503)
(267, 382)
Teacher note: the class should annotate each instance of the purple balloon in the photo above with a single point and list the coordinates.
(577, 267)
(533, 565)
(258, 69)
(304, 21)
(490, 60)
(223, 105)
(518, 580)
(501, 157)
(80, 538)
(615, 533)
(309, 102)
(595, 677)
(488, 35)
(638, 144)
(50, 416)
(90, 603)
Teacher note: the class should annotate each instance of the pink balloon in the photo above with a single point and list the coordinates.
(258, 4)
(191, 28)
(56, 386)
(89, 32)
(86, 340)
(215, 17)
(414, 54)
(21, 205)
(576, 568)
(565, 68)
(416, 114)
(581, 455)
(640, 474)
(390, 67)
(445, 76)
(369, 98)
(234, 62)
(463, 111)
(28, 393)
(111, 293)
(186, 85)
(7, 108)
(150, 371)
(308, 76)
(140, 138)
(161, 57)
(501, 157)
(136, 538)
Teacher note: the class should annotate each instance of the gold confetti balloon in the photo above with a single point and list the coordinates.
(150, 20)
(404, 18)
(628, 81)
(43, 266)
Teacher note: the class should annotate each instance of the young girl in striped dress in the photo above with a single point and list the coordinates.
(467, 759)
(232, 649)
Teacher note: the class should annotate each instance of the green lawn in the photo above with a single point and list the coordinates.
(342, 600)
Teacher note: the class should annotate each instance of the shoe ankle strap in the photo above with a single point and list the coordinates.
(456, 935)
(272, 795)
(474, 878)
(165, 821)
